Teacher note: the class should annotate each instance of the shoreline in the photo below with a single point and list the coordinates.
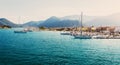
(93, 34)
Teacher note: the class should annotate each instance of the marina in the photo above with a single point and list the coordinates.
(93, 33)
(87, 35)
(59, 32)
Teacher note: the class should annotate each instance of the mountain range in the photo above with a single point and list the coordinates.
(6, 22)
(54, 22)
(111, 20)
(71, 21)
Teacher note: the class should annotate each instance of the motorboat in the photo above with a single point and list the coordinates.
(20, 31)
(82, 37)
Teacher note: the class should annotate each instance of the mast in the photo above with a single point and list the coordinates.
(81, 23)
(19, 20)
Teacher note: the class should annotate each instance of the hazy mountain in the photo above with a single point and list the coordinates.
(4, 21)
(111, 20)
(53, 22)
(32, 23)
(50, 22)
(78, 17)
(74, 20)
(56, 22)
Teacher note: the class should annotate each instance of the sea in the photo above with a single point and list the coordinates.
(51, 48)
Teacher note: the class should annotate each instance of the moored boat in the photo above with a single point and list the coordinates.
(81, 36)
(20, 31)
(65, 33)
(99, 37)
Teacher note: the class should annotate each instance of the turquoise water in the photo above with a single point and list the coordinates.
(51, 48)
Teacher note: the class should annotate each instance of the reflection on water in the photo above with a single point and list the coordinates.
(51, 48)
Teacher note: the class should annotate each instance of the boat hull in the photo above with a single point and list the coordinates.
(82, 37)
(65, 33)
(20, 32)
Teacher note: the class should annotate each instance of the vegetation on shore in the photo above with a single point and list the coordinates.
(85, 29)
(5, 26)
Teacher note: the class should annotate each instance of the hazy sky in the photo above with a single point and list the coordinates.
(42, 9)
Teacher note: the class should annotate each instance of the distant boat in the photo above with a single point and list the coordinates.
(65, 33)
(30, 30)
(20, 31)
(81, 36)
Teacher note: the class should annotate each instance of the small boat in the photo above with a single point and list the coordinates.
(98, 37)
(82, 37)
(20, 31)
(30, 31)
(65, 33)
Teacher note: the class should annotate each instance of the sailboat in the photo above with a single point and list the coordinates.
(20, 31)
(81, 36)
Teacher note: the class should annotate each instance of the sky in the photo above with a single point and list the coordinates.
(35, 10)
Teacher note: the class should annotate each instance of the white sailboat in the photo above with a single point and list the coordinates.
(20, 31)
(81, 36)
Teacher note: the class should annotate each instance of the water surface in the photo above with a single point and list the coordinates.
(51, 48)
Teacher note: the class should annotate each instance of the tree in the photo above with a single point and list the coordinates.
(42, 27)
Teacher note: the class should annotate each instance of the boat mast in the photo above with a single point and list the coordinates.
(19, 20)
(81, 23)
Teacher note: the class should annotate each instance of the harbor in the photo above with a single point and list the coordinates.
(90, 32)
(94, 32)
(59, 32)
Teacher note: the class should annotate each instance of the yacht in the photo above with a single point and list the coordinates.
(81, 36)
(20, 31)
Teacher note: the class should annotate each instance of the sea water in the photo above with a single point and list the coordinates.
(51, 48)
